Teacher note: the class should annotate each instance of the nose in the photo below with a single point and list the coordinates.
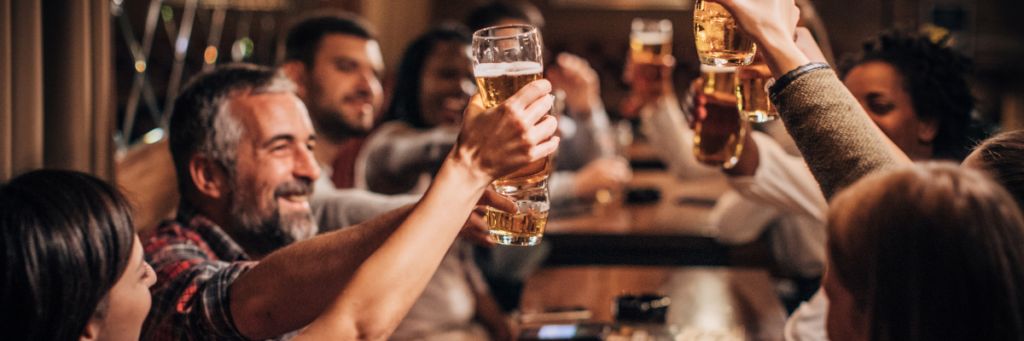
(370, 83)
(306, 165)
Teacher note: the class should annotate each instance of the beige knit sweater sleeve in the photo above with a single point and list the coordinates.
(833, 132)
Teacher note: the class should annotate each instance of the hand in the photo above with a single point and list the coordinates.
(764, 21)
(772, 25)
(498, 141)
(609, 173)
(476, 230)
(716, 103)
(579, 81)
(648, 81)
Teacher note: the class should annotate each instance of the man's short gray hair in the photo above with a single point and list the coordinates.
(200, 123)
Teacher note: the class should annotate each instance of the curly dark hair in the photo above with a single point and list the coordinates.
(935, 77)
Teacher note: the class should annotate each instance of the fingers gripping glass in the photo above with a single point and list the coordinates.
(505, 59)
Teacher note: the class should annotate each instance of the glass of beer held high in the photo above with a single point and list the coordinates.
(752, 84)
(650, 39)
(718, 138)
(505, 59)
(719, 39)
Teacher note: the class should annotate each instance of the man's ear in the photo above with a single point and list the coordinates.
(208, 176)
(296, 71)
(91, 331)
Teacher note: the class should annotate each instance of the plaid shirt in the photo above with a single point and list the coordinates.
(195, 266)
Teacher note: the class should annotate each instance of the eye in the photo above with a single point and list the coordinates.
(881, 108)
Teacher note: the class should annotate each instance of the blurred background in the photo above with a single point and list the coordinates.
(83, 83)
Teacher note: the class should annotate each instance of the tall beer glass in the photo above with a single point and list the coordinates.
(719, 39)
(718, 138)
(650, 39)
(752, 93)
(505, 59)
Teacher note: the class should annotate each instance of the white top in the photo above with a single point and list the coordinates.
(808, 321)
(447, 306)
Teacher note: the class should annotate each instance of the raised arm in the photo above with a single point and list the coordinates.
(397, 154)
(492, 143)
(838, 140)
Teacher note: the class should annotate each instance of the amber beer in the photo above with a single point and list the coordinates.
(718, 139)
(719, 39)
(718, 79)
(752, 93)
(527, 187)
(650, 39)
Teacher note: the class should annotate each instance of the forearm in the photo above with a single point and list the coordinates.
(291, 287)
(389, 281)
(838, 140)
(395, 162)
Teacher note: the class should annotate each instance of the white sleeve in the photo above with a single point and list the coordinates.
(782, 181)
(335, 209)
(662, 123)
(808, 321)
(584, 139)
(740, 220)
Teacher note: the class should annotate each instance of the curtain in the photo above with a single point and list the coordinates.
(56, 87)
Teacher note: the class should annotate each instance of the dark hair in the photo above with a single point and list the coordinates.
(304, 38)
(931, 252)
(1003, 157)
(197, 126)
(67, 238)
(935, 77)
(405, 103)
(490, 14)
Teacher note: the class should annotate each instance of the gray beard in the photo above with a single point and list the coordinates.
(262, 235)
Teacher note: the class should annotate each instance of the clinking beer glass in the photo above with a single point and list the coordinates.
(650, 39)
(718, 138)
(505, 59)
(719, 39)
(752, 84)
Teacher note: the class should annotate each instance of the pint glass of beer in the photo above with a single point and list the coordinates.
(752, 93)
(505, 59)
(719, 39)
(718, 138)
(650, 39)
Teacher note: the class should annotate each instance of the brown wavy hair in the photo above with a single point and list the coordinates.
(932, 252)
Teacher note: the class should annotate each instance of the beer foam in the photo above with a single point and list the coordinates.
(716, 69)
(650, 38)
(507, 69)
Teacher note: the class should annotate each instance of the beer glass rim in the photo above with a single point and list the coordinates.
(528, 30)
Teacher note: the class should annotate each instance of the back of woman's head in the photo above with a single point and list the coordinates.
(935, 77)
(932, 252)
(67, 238)
(405, 103)
(1003, 157)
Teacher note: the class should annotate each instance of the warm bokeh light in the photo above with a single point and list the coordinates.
(140, 66)
(153, 136)
(167, 13)
(210, 56)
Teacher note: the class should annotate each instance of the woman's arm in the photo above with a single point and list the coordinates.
(492, 143)
(838, 140)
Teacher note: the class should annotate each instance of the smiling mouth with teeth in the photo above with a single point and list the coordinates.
(296, 198)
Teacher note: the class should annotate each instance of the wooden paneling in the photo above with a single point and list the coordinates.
(146, 177)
